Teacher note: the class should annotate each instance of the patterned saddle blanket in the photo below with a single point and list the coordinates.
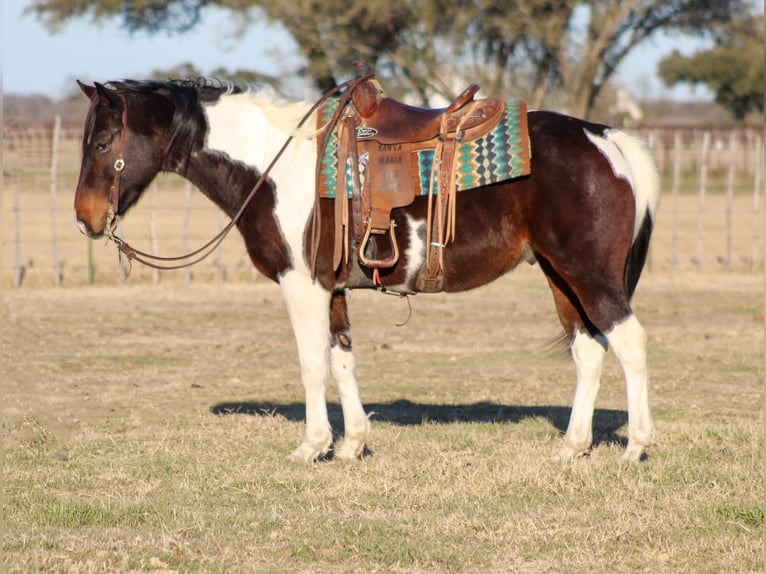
(499, 155)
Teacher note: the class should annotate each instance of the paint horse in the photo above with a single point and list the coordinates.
(584, 215)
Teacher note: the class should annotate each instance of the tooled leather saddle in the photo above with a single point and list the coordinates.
(381, 154)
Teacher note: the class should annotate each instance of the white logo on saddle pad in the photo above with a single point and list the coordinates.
(365, 132)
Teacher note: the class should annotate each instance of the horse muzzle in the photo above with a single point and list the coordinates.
(94, 215)
(86, 229)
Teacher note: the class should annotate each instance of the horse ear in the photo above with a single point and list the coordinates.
(87, 90)
(106, 96)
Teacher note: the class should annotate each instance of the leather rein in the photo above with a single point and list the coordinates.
(196, 256)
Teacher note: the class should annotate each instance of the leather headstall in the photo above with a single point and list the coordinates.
(119, 166)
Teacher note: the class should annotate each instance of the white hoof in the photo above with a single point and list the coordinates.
(350, 450)
(633, 453)
(308, 452)
(568, 452)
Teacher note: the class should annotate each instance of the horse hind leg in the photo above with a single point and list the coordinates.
(343, 367)
(589, 321)
(588, 354)
(628, 340)
(609, 310)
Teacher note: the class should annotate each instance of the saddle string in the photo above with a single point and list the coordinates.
(201, 253)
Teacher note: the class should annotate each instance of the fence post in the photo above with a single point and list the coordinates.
(153, 231)
(730, 196)
(221, 255)
(18, 268)
(677, 143)
(91, 265)
(185, 231)
(701, 202)
(756, 201)
(124, 262)
(56, 136)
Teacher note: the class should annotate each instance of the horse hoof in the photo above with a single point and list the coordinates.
(633, 454)
(568, 452)
(307, 453)
(350, 450)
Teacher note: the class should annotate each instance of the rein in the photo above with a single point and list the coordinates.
(196, 256)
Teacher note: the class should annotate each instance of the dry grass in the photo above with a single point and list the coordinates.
(115, 460)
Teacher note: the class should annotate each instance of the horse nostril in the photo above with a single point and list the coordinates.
(84, 226)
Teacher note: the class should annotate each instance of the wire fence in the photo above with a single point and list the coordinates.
(710, 218)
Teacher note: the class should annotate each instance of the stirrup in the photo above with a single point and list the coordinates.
(379, 263)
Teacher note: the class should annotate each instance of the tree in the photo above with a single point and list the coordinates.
(326, 31)
(733, 69)
(577, 45)
(528, 48)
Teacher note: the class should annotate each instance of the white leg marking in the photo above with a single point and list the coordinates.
(628, 339)
(588, 354)
(308, 306)
(355, 420)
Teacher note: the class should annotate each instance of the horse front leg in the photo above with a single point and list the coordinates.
(342, 364)
(307, 304)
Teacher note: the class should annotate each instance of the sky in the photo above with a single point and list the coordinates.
(36, 61)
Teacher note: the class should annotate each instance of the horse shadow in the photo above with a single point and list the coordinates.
(403, 412)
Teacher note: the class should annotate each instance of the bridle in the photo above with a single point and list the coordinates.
(119, 166)
(194, 257)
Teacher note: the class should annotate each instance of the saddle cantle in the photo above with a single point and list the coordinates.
(382, 153)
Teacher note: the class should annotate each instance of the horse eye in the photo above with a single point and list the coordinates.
(102, 147)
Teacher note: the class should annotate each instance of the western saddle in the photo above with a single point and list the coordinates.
(377, 139)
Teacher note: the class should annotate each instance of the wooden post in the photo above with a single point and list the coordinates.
(185, 231)
(153, 231)
(730, 196)
(125, 264)
(757, 220)
(18, 268)
(677, 144)
(54, 168)
(220, 256)
(701, 201)
(91, 266)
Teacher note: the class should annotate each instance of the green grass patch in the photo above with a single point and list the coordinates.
(750, 516)
(60, 513)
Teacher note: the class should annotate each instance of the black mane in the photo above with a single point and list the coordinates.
(206, 90)
(189, 124)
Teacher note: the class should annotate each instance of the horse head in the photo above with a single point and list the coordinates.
(125, 140)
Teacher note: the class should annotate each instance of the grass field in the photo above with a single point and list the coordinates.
(146, 429)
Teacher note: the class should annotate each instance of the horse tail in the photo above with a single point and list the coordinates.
(645, 181)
